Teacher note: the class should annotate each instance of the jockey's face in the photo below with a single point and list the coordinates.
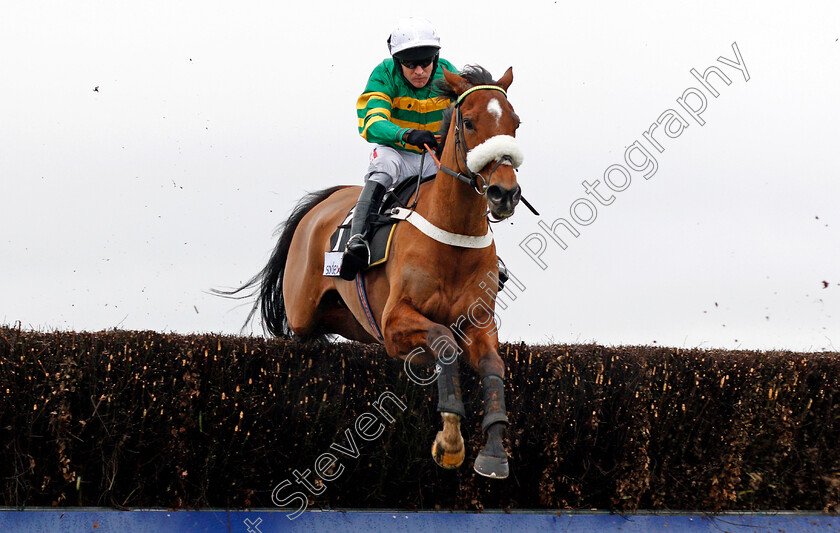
(418, 76)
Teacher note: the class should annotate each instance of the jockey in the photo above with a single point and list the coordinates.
(399, 113)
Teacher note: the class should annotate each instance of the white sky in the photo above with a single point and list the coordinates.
(122, 207)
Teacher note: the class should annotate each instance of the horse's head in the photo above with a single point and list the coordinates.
(483, 126)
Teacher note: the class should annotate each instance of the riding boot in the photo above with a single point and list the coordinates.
(357, 252)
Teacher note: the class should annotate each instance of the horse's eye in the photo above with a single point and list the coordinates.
(468, 124)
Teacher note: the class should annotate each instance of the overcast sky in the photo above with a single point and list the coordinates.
(148, 151)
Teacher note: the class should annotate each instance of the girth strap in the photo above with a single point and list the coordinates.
(360, 287)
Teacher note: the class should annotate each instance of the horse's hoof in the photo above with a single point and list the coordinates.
(448, 460)
(492, 467)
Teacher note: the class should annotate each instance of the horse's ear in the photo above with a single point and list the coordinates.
(458, 84)
(507, 79)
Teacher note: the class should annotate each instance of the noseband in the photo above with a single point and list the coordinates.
(462, 154)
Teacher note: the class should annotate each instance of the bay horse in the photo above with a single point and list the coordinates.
(425, 292)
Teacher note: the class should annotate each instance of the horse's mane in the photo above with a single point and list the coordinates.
(475, 75)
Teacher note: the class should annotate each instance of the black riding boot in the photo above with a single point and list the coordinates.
(357, 252)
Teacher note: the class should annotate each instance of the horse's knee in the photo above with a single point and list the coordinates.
(491, 365)
(436, 333)
(443, 344)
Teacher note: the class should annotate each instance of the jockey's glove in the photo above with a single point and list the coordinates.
(419, 138)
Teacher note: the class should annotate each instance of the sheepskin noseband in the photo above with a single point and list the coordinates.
(494, 149)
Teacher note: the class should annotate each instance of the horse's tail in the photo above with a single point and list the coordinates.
(267, 285)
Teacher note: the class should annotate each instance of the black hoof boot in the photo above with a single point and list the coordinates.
(503, 274)
(491, 466)
(492, 460)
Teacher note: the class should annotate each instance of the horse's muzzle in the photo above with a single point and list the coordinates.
(502, 202)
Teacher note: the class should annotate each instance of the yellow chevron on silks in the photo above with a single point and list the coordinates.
(384, 110)
(434, 126)
(362, 102)
(421, 106)
(370, 122)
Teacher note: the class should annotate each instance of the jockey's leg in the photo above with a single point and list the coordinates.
(357, 253)
(386, 168)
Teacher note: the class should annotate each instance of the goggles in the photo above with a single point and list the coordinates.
(414, 63)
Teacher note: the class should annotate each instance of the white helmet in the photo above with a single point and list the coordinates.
(413, 33)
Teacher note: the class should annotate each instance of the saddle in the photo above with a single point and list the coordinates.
(381, 225)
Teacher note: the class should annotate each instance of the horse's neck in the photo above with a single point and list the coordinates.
(451, 204)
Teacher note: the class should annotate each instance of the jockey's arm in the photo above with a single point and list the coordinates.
(374, 110)
(375, 124)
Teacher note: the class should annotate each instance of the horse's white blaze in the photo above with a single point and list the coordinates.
(494, 149)
(494, 109)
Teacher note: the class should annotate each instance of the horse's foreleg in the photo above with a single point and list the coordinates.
(413, 336)
(492, 461)
(448, 448)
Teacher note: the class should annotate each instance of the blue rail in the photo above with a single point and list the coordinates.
(273, 520)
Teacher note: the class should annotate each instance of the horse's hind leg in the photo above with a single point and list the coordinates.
(419, 340)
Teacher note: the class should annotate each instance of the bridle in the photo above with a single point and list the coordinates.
(471, 178)
(461, 143)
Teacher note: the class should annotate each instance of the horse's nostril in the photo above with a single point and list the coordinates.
(495, 193)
